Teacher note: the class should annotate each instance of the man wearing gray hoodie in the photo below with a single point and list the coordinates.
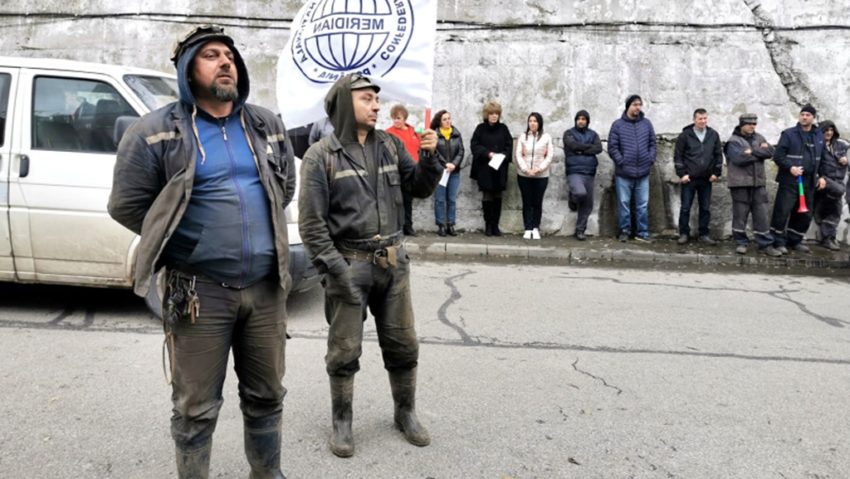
(351, 219)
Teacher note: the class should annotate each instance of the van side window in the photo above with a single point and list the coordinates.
(70, 114)
(5, 81)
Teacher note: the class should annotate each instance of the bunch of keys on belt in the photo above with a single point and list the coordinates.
(194, 302)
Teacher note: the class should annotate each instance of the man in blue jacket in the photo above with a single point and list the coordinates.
(204, 181)
(581, 145)
(698, 160)
(798, 154)
(631, 145)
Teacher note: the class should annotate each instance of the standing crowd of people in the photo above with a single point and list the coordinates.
(811, 159)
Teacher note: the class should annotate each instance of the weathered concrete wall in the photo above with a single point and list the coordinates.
(550, 56)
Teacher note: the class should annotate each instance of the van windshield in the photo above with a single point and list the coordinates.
(155, 92)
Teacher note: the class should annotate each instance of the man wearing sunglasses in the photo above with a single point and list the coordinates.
(204, 181)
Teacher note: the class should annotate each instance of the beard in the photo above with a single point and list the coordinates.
(224, 93)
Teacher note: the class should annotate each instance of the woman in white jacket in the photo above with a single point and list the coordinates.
(534, 152)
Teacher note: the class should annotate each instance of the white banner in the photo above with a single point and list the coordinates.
(391, 41)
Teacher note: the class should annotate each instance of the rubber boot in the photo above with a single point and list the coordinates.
(403, 385)
(496, 215)
(194, 463)
(262, 447)
(342, 392)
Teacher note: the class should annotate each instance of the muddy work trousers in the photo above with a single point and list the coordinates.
(827, 214)
(385, 291)
(787, 225)
(251, 322)
(750, 201)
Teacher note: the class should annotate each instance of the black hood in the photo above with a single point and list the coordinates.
(583, 113)
(184, 66)
(340, 110)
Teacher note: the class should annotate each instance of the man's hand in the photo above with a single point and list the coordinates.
(765, 145)
(821, 183)
(450, 167)
(428, 141)
(713, 178)
(842, 161)
(748, 151)
(686, 179)
(796, 171)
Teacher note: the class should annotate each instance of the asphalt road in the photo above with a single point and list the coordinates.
(525, 372)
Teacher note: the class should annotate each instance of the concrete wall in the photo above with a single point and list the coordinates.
(550, 56)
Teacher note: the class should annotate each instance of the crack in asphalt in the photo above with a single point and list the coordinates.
(782, 294)
(598, 378)
(453, 297)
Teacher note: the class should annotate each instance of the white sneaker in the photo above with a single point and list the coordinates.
(527, 234)
(535, 234)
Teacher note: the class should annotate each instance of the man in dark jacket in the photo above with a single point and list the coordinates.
(746, 152)
(351, 220)
(205, 181)
(833, 169)
(631, 145)
(798, 155)
(581, 145)
(698, 160)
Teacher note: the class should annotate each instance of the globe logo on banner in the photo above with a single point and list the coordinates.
(332, 38)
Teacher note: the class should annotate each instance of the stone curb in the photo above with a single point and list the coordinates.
(440, 250)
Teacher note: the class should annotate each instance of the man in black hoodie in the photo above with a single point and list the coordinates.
(581, 145)
(351, 217)
(698, 160)
(833, 168)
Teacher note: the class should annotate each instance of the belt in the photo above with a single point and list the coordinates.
(384, 257)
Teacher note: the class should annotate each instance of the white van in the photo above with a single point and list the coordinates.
(60, 123)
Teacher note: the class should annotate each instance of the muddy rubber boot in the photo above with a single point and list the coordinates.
(342, 393)
(403, 385)
(262, 447)
(194, 463)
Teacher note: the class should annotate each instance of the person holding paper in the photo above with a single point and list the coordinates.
(534, 152)
(450, 146)
(492, 147)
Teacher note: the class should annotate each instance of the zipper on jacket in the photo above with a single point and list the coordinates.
(246, 246)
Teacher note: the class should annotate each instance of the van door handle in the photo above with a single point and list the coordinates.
(24, 170)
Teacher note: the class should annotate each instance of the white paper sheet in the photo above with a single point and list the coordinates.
(445, 179)
(496, 161)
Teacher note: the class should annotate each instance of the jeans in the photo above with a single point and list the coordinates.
(532, 191)
(639, 189)
(445, 201)
(701, 187)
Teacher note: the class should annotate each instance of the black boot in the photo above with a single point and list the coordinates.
(342, 394)
(450, 230)
(495, 215)
(488, 221)
(403, 385)
(194, 463)
(441, 230)
(262, 447)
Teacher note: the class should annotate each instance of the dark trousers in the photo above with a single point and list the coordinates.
(532, 191)
(386, 292)
(697, 187)
(827, 214)
(746, 201)
(581, 192)
(252, 323)
(407, 199)
(787, 225)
